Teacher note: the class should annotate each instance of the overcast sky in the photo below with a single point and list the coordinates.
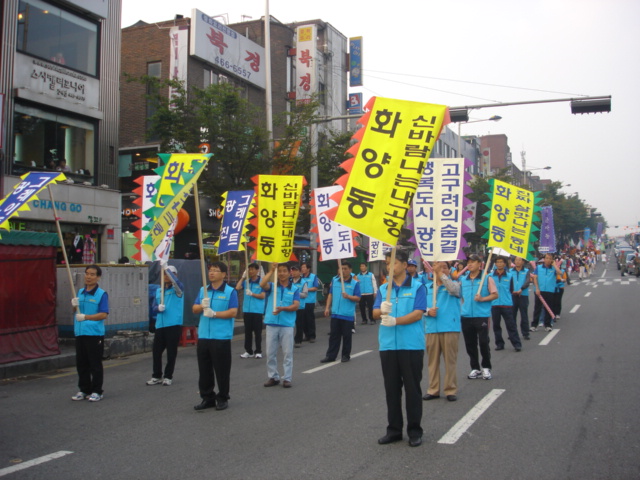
(471, 52)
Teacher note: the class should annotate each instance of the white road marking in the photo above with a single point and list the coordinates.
(595, 286)
(633, 279)
(587, 294)
(454, 434)
(549, 337)
(624, 283)
(608, 283)
(605, 271)
(336, 362)
(32, 463)
(575, 309)
(601, 280)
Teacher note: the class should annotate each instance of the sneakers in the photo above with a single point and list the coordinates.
(95, 397)
(548, 329)
(167, 382)
(557, 318)
(486, 374)
(533, 329)
(258, 355)
(474, 374)
(246, 355)
(79, 396)
(154, 381)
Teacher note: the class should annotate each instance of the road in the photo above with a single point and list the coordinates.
(563, 408)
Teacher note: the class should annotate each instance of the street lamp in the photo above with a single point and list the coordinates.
(495, 118)
(527, 178)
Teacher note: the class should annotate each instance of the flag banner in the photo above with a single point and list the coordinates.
(580, 244)
(587, 234)
(388, 161)
(547, 232)
(335, 241)
(599, 228)
(277, 204)
(163, 252)
(470, 221)
(438, 210)
(146, 192)
(377, 250)
(17, 201)
(178, 176)
(236, 208)
(512, 211)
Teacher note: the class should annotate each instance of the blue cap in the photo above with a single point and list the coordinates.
(411, 261)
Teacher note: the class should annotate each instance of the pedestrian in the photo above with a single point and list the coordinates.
(217, 307)
(302, 286)
(368, 289)
(280, 321)
(91, 310)
(412, 268)
(402, 344)
(476, 310)
(252, 310)
(313, 285)
(502, 307)
(344, 295)
(544, 280)
(561, 278)
(169, 319)
(521, 281)
(442, 329)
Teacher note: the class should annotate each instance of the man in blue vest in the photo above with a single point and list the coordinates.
(217, 307)
(502, 307)
(91, 310)
(402, 345)
(280, 320)
(476, 310)
(521, 281)
(368, 289)
(545, 277)
(252, 310)
(168, 326)
(313, 285)
(301, 285)
(341, 305)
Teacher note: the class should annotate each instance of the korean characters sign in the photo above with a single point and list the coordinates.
(396, 142)
(377, 250)
(147, 191)
(306, 63)
(355, 61)
(277, 205)
(31, 184)
(225, 48)
(336, 241)
(236, 210)
(438, 209)
(510, 219)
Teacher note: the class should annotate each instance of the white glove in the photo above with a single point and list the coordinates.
(80, 317)
(388, 321)
(161, 307)
(209, 313)
(75, 302)
(206, 302)
(244, 275)
(385, 308)
(249, 293)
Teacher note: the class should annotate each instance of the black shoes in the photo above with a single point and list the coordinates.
(364, 322)
(500, 347)
(286, 384)
(389, 439)
(518, 349)
(327, 360)
(415, 441)
(205, 404)
(452, 398)
(428, 396)
(222, 405)
(345, 359)
(271, 382)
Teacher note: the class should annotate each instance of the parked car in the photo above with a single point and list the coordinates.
(621, 257)
(633, 264)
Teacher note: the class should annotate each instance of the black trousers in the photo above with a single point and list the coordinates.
(309, 326)
(301, 320)
(166, 338)
(512, 330)
(252, 329)
(366, 308)
(557, 301)
(89, 350)
(340, 330)
(538, 308)
(475, 331)
(214, 363)
(403, 368)
(521, 304)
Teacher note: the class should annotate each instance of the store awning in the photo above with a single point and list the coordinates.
(17, 237)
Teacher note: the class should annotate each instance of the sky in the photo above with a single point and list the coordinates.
(470, 52)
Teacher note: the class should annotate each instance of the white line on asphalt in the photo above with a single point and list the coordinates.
(574, 309)
(31, 463)
(333, 364)
(624, 283)
(587, 294)
(454, 434)
(605, 271)
(549, 337)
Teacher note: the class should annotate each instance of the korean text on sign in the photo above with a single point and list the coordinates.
(335, 240)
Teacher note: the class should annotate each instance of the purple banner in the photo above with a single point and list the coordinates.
(547, 232)
(599, 230)
(236, 210)
(31, 184)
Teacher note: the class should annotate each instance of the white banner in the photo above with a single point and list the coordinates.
(148, 191)
(470, 221)
(336, 241)
(438, 209)
(377, 249)
(306, 63)
(179, 54)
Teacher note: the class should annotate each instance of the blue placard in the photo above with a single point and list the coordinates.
(355, 62)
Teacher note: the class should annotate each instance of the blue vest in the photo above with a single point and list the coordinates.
(89, 305)
(366, 283)
(546, 278)
(344, 308)
(285, 298)
(560, 283)
(311, 281)
(217, 328)
(300, 285)
(503, 284)
(174, 308)
(253, 304)
(403, 301)
(448, 316)
(469, 288)
(518, 280)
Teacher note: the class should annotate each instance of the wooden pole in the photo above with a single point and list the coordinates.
(392, 262)
(162, 284)
(435, 289)
(484, 273)
(340, 275)
(246, 264)
(200, 246)
(275, 289)
(64, 250)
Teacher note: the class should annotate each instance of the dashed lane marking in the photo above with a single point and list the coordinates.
(336, 362)
(547, 339)
(34, 462)
(587, 294)
(454, 434)
(574, 309)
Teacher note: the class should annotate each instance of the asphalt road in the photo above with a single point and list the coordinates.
(567, 409)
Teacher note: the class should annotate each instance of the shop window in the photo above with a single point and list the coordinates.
(53, 34)
(154, 70)
(46, 141)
